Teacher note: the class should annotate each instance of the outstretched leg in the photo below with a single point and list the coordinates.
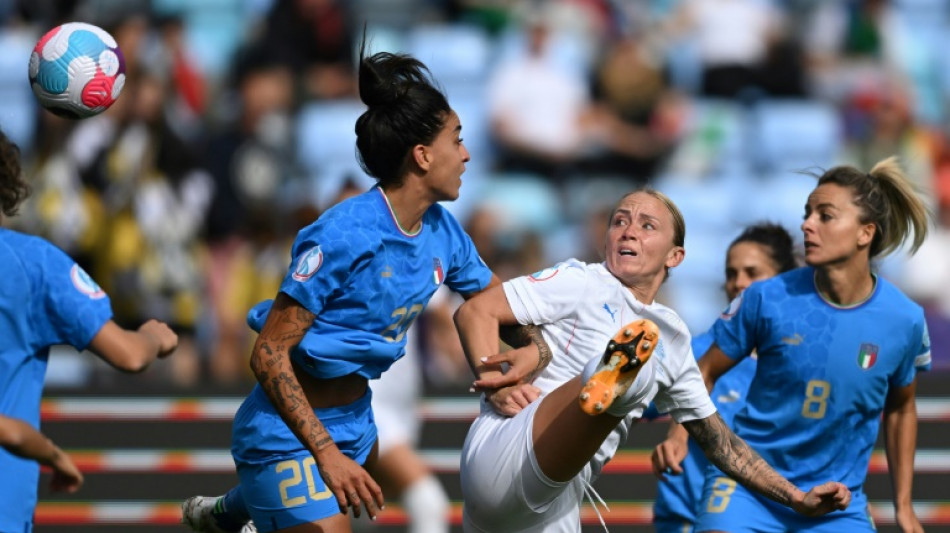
(565, 435)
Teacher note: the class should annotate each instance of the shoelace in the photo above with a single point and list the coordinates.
(591, 494)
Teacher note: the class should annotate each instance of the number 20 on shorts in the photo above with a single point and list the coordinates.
(309, 466)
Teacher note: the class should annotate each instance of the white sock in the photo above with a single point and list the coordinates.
(427, 505)
(636, 396)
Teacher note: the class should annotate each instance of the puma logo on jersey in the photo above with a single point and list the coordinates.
(612, 313)
(794, 340)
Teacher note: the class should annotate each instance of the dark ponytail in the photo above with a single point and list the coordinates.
(404, 109)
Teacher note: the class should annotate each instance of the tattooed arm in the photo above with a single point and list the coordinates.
(737, 460)
(485, 317)
(286, 325)
(525, 339)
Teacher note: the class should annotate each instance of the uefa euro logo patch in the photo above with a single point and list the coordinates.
(546, 274)
(308, 264)
(85, 284)
(732, 309)
(867, 356)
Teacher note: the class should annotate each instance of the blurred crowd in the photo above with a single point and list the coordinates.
(235, 128)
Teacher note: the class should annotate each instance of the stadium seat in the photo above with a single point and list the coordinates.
(326, 145)
(454, 53)
(795, 134)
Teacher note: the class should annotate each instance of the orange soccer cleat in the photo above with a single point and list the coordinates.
(625, 355)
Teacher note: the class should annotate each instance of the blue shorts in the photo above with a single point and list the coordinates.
(279, 477)
(728, 506)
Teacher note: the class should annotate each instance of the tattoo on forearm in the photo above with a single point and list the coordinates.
(518, 336)
(272, 366)
(737, 460)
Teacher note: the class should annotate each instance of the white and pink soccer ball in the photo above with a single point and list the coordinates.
(77, 70)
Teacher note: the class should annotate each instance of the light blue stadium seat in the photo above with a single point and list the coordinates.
(326, 144)
(796, 134)
(707, 208)
(18, 107)
(781, 198)
(453, 52)
(521, 202)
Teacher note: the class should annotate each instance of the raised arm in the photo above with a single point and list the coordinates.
(286, 325)
(480, 321)
(900, 440)
(740, 462)
(133, 350)
(21, 439)
(487, 316)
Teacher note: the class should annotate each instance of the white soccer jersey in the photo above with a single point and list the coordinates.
(580, 306)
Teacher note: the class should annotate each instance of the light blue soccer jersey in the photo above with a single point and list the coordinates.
(45, 299)
(823, 372)
(678, 496)
(367, 280)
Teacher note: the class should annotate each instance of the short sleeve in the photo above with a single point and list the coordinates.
(735, 330)
(468, 273)
(319, 268)
(923, 361)
(686, 398)
(74, 306)
(548, 295)
(918, 356)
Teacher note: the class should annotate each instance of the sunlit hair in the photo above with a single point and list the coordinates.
(679, 223)
(405, 108)
(888, 200)
(775, 239)
(13, 188)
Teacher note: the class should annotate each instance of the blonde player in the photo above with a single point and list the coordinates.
(529, 472)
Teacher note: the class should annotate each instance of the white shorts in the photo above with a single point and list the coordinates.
(396, 400)
(503, 487)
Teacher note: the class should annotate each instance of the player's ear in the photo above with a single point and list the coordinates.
(421, 156)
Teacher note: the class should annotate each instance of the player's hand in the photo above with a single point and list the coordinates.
(509, 401)
(823, 499)
(907, 520)
(667, 457)
(522, 366)
(163, 335)
(349, 482)
(66, 476)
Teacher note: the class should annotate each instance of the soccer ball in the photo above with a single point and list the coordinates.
(77, 70)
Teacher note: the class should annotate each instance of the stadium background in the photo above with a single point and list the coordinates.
(236, 127)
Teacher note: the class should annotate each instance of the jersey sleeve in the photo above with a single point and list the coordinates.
(548, 295)
(686, 398)
(735, 330)
(74, 306)
(918, 357)
(699, 345)
(468, 273)
(923, 362)
(320, 265)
